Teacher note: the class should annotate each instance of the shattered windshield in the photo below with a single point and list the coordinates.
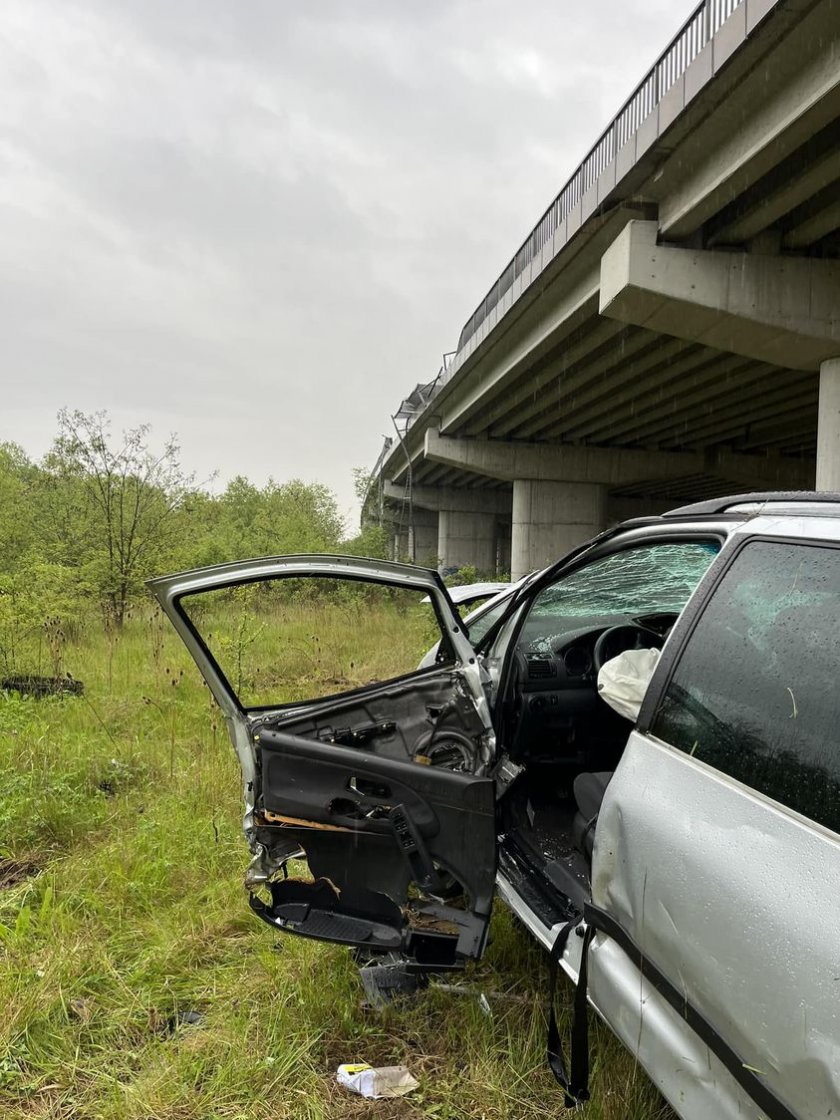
(652, 579)
(647, 580)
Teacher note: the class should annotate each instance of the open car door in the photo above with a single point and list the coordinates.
(380, 785)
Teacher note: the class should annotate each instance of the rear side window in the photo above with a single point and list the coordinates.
(755, 693)
(477, 627)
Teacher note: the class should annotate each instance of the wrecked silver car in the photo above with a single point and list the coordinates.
(680, 871)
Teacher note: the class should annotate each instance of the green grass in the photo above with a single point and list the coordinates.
(119, 819)
(308, 644)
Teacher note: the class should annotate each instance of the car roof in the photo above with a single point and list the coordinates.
(816, 502)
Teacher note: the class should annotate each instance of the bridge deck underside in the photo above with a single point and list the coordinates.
(640, 389)
(433, 474)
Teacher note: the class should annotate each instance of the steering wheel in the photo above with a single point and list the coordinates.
(617, 639)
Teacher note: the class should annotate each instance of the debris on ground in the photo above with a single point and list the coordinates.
(383, 983)
(29, 684)
(482, 997)
(14, 871)
(171, 1026)
(376, 1084)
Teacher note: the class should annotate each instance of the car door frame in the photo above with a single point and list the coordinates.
(242, 721)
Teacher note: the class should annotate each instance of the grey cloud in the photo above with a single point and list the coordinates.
(270, 217)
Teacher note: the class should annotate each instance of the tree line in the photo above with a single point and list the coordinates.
(81, 529)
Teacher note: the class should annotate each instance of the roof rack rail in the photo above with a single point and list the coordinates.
(721, 505)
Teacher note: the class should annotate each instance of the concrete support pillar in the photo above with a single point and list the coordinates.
(399, 545)
(467, 538)
(423, 538)
(503, 547)
(549, 518)
(828, 426)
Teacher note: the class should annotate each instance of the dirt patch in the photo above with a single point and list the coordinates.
(14, 871)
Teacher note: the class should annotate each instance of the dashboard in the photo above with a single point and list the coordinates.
(559, 714)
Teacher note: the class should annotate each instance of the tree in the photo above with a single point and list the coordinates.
(371, 540)
(112, 509)
(281, 518)
(16, 479)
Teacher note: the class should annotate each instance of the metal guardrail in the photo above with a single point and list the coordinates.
(698, 30)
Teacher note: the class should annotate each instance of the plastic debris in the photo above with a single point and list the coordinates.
(376, 1084)
(180, 1019)
(383, 983)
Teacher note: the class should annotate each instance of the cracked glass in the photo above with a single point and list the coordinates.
(755, 691)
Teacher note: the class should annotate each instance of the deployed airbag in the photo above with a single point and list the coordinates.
(623, 680)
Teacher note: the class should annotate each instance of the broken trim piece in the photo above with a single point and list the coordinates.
(267, 817)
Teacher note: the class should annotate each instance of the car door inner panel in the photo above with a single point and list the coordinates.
(369, 811)
(388, 843)
(429, 719)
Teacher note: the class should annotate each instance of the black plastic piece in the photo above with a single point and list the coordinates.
(414, 851)
(570, 877)
(383, 983)
(316, 910)
(360, 736)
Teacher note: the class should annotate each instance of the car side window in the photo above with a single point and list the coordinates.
(636, 582)
(754, 693)
(290, 639)
(477, 627)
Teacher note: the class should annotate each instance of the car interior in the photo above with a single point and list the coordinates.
(551, 719)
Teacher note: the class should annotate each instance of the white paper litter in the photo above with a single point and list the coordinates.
(375, 1084)
(623, 680)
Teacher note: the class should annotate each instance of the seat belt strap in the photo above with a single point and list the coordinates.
(580, 1025)
(575, 1081)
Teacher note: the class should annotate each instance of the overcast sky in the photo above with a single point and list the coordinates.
(259, 223)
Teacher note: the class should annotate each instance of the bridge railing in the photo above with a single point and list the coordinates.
(698, 30)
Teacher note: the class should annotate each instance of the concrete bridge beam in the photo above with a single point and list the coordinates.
(764, 121)
(558, 462)
(456, 499)
(771, 309)
(560, 491)
(529, 341)
(516, 402)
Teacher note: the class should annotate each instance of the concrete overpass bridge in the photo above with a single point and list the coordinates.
(669, 330)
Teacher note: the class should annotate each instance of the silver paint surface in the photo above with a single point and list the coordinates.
(737, 901)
